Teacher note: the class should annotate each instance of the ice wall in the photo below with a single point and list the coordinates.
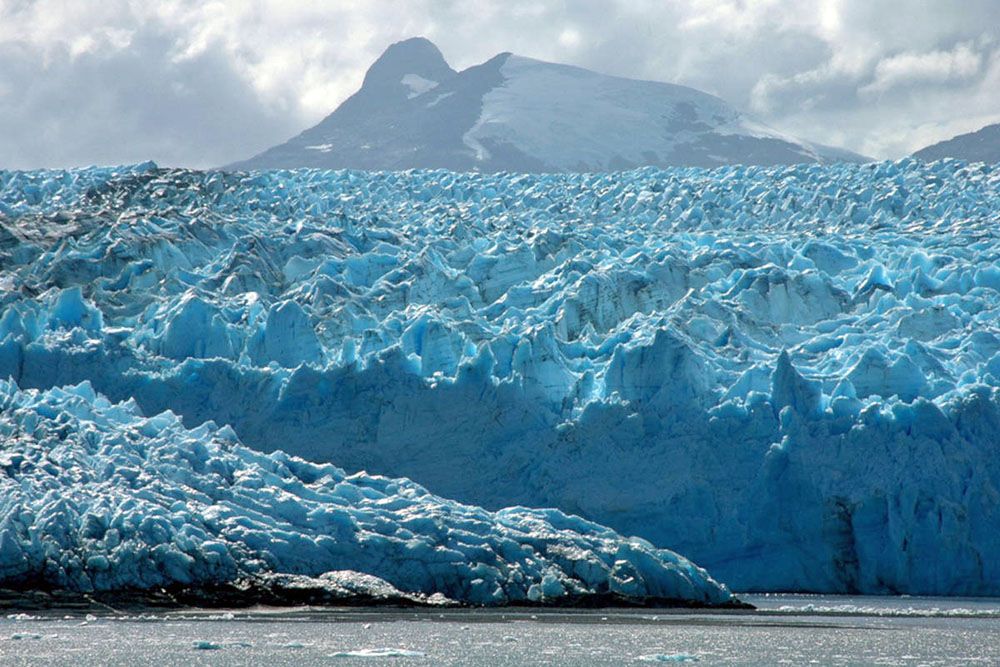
(96, 497)
(789, 375)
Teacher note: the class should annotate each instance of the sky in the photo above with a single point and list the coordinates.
(201, 84)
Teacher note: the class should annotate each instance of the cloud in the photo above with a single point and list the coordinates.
(932, 67)
(84, 108)
(204, 83)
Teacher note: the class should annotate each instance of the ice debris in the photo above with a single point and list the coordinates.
(788, 374)
(96, 497)
(668, 657)
(205, 645)
(379, 653)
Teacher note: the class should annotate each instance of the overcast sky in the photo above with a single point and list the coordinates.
(205, 83)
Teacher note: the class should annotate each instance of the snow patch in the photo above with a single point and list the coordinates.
(574, 119)
(438, 99)
(417, 84)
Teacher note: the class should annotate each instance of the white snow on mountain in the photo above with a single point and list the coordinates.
(574, 119)
(417, 84)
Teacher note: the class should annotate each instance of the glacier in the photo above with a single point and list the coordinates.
(97, 498)
(790, 375)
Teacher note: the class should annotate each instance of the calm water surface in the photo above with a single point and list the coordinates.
(786, 630)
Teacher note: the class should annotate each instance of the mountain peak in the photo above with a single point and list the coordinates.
(417, 56)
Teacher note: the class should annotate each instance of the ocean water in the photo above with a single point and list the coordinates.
(790, 630)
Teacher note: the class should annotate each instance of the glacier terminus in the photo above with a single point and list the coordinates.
(788, 374)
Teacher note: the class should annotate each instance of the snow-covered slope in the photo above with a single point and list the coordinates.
(96, 497)
(519, 114)
(790, 375)
(979, 146)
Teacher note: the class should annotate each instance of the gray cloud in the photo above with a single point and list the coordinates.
(94, 103)
(201, 84)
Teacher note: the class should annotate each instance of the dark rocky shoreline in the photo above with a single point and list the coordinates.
(243, 595)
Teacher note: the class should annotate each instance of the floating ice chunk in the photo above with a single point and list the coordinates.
(668, 657)
(204, 645)
(379, 653)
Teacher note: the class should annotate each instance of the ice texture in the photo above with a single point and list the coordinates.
(94, 496)
(791, 375)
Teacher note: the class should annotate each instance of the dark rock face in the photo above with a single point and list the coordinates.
(980, 146)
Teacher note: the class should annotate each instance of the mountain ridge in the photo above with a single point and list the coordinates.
(982, 145)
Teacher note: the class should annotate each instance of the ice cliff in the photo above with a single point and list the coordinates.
(790, 375)
(95, 497)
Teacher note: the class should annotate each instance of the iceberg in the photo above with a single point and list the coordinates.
(379, 653)
(790, 375)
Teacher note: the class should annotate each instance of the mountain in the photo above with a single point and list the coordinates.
(520, 114)
(980, 146)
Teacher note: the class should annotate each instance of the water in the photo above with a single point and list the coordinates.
(791, 630)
